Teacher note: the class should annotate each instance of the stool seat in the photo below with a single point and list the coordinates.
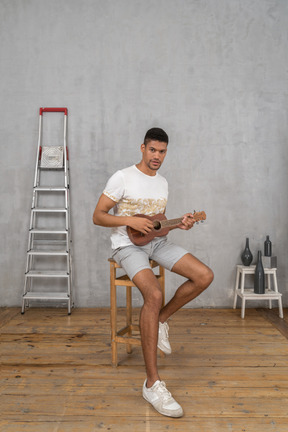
(248, 294)
(126, 335)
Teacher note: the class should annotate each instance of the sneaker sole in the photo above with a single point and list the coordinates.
(164, 350)
(178, 415)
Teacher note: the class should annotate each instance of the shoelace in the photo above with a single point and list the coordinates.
(165, 329)
(161, 388)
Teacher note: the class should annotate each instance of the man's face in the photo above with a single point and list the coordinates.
(153, 154)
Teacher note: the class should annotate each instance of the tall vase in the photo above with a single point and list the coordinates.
(246, 256)
(267, 247)
(259, 277)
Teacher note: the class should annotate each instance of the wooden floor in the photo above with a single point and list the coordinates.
(228, 374)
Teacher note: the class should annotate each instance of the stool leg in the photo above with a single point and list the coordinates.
(113, 314)
(280, 307)
(269, 289)
(242, 282)
(268, 282)
(129, 316)
(275, 281)
(243, 308)
(236, 287)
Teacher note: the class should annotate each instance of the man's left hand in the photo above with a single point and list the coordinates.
(187, 222)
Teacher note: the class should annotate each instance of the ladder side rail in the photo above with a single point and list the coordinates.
(31, 257)
(37, 180)
(67, 263)
(68, 239)
(30, 234)
(39, 148)
(66, 176)
(70, 284)
(69, 231)
(69, 235)
(30, 228)
(33, 199)
(67, 185)
(67, 222)
(38, 170)
(28, 263)
(69, 295)
(67, 196)
(65, 151)
(27, 288)
(36, 201)
(68, 211)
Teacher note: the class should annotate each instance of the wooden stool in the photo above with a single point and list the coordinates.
(125, 335)
(248, 294)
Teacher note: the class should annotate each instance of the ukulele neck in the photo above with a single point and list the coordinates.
(171, 222)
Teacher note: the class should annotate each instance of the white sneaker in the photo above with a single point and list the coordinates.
(161, 399)
(163, 338)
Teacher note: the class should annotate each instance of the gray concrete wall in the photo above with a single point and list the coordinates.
(213, 73)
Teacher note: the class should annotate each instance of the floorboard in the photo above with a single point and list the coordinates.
(228, 374)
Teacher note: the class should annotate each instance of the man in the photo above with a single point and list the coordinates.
(140, 189)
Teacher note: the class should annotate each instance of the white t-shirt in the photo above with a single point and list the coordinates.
(135, 193)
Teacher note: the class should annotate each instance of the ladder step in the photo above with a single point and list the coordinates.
(49, 210)
(51, 168)
(51, 244)
(46, 295)
(48, 231)
(47, 273)
(50, 189)
(47, 252)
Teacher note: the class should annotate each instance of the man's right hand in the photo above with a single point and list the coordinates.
(142, 224)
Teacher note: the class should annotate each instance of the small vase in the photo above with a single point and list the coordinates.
(246, 256)
(267, 247)
(259, 277)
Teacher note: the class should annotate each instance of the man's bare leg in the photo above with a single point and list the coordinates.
(199, 278)
(149, 286)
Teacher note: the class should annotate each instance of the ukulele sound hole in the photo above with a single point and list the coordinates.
(157, 225)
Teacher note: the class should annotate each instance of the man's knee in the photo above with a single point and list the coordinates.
(149, 287)
(206, 278)
(154, 299)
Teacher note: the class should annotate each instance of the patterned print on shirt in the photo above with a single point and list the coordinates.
(148, 206)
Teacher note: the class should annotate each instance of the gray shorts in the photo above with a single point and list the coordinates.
(136, 258)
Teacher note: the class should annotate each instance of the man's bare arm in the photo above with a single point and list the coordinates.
(102, 217)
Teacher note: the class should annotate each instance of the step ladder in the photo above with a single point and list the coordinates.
(48, 274)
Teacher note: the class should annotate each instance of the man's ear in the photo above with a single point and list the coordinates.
(142, 148)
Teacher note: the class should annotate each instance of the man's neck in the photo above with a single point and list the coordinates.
(141, 166)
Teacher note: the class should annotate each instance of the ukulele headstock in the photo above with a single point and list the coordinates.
(199, 216)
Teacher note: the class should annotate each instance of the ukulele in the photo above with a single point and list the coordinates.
(161, 227)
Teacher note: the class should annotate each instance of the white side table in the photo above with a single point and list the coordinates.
(248, 294)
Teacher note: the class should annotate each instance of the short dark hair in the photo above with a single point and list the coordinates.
(156, 134)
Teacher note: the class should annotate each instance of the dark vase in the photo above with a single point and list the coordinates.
(246, 256)
(259, 277)
(267, 247)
